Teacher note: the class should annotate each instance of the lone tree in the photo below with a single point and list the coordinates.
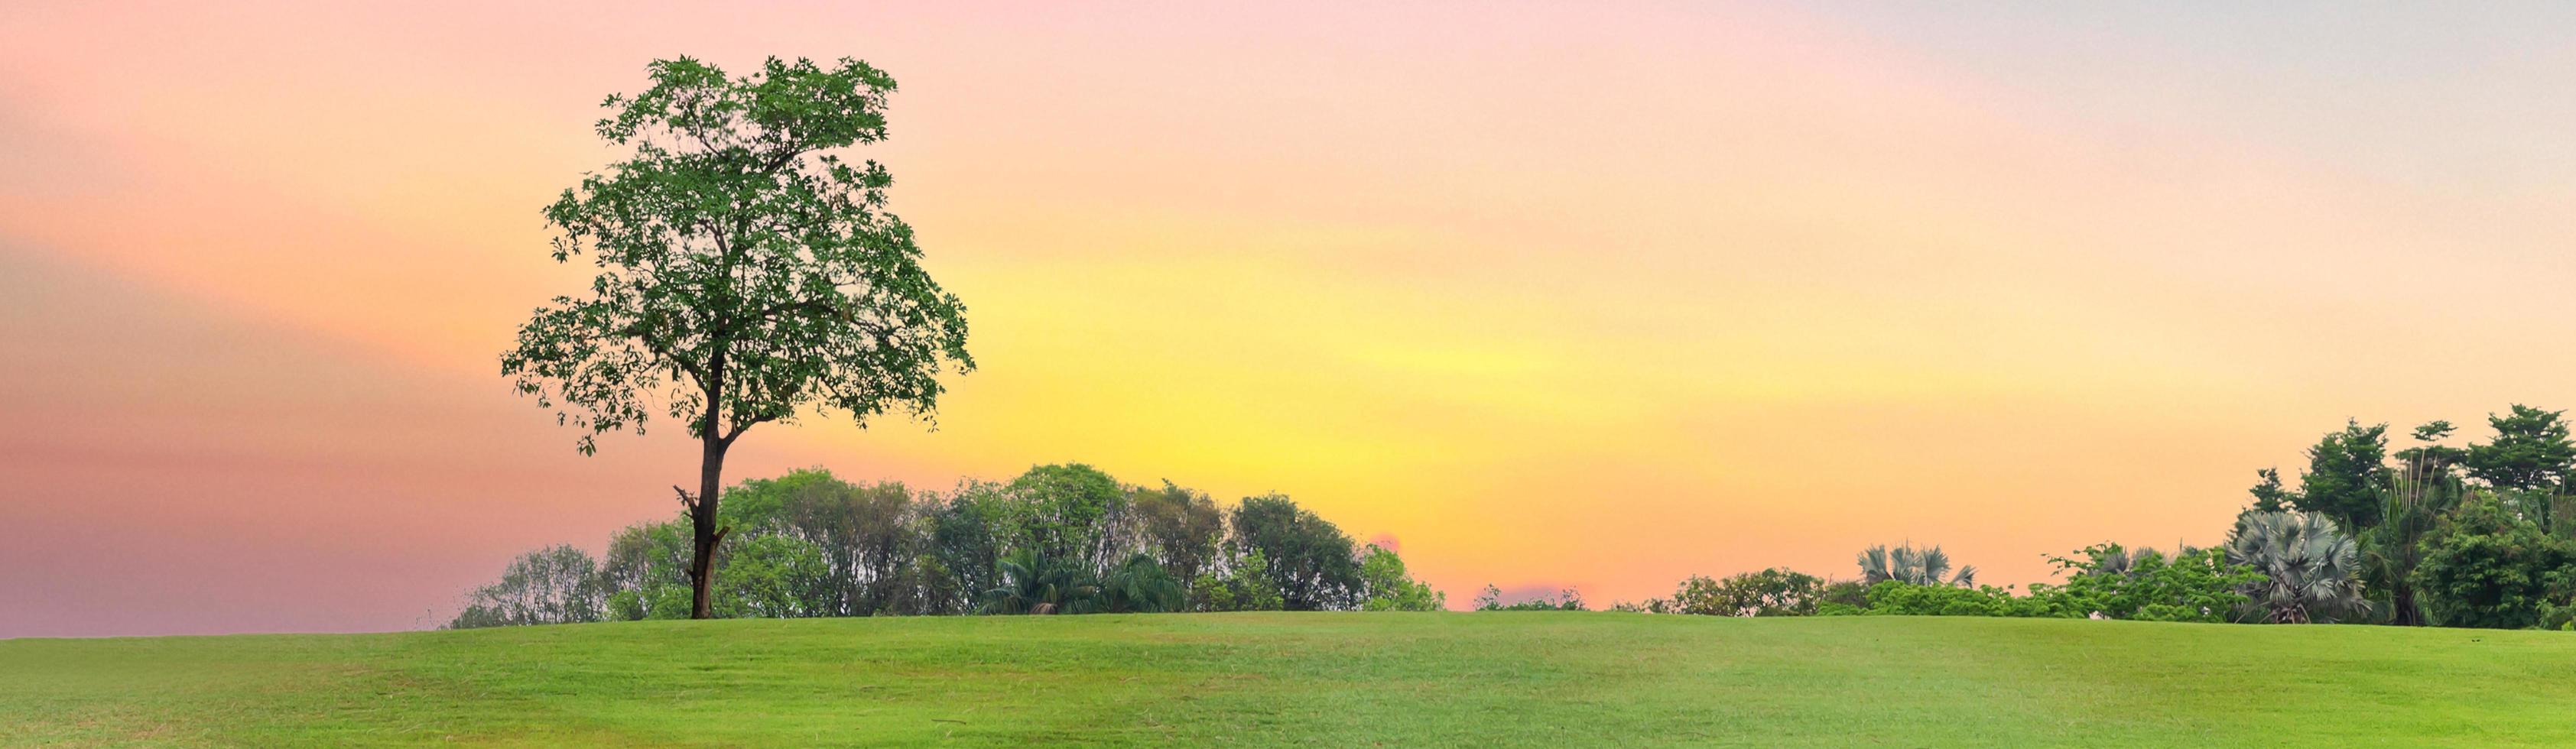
(746, 272)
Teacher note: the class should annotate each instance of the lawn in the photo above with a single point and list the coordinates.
(1338, 679)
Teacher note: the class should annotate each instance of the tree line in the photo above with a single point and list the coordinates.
(2431, 534)
(1058, 539)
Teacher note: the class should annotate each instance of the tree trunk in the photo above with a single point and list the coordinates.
(702, 521)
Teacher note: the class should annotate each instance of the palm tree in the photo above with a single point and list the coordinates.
(1915, 566)
(1034, 583)
(1140, 584)
(2311, 570)
(2390, 550)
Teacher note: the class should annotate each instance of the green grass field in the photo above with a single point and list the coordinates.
(1513, 678)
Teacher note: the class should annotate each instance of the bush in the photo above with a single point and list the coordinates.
(1771, 592)
(1900, 598)
(2195, 586)
(1843, 594)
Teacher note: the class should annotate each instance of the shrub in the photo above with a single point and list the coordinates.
(2194, 586)
(1900, 598)
(1771, 592)
(1843, 594)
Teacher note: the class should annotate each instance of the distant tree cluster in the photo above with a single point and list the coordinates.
(1771, 592)
(1059, 539)
(2475, 536)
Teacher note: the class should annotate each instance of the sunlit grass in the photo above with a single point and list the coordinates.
(1515, 678)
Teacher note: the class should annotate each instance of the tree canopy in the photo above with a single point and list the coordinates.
(745, 272)
(2530, 451)
(2345, 472)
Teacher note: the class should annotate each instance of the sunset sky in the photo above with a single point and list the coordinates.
(1557, 295)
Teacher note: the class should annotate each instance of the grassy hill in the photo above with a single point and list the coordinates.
(1513, 678)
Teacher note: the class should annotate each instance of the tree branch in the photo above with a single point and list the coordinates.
(737, 429)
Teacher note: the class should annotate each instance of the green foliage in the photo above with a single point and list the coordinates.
(1243, 584)
(841, 549)
(772, 576)
(2267, 492)
(809, 544)
(2311, 570)
(968, 536)
(1770, 592)
(1141, 585)
(2486, 565)
(2107, 582)
(1907, 564)
(646, 570)
(1843, 597)
(868, 534)
(1901, 598)
(667, 602)
(1034, 583)
(2345, 472)
(2195, 585)
(1180, 527)
(812, 545)
(2429, 457)
(1564, 600)
(758, 504)
(2531, 451)
(746, 271)
(1063, 510)
(2410, 506)
(1387, 587)
(1697, 594)
(1311, 563)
